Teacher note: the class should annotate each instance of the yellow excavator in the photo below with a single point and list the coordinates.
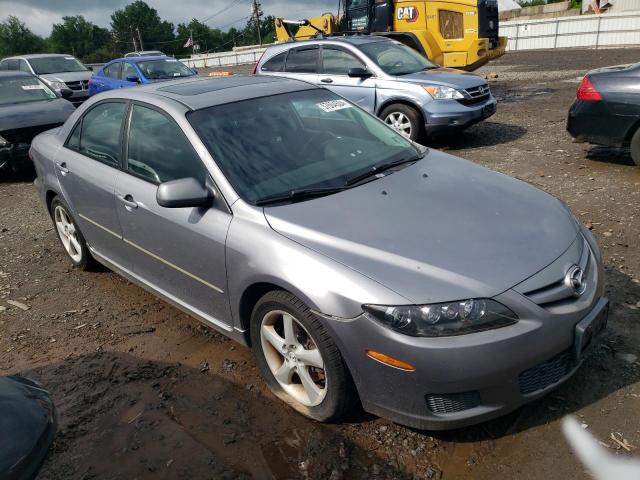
(452, 33)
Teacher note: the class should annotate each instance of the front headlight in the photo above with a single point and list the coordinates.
(3, 142)
(55, 85)
(443, 319)
(443, 93)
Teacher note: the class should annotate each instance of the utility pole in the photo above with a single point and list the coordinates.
(135, 45)
(140, 39)
(257, 13)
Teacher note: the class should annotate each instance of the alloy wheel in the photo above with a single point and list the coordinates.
(399, 122)
(293, 358)
(67, 233)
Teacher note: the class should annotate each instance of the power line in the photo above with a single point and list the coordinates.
(224, 9)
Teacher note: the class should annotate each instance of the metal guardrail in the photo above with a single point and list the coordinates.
(594, 31)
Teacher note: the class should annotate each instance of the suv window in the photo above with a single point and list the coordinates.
(128, 70)
(100, 135)
(275, 64)
(158, 151)
(303, 60)
(4, 65)
(13, 64)
(338, 62)
(113, 70)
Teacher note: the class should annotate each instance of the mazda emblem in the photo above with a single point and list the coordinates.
(575, 281)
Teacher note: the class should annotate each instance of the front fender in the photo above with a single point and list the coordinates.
(258, 254)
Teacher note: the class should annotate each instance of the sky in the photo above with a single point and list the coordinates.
(40, 15)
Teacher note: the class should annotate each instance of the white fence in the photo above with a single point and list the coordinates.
(606, 30)
(223, 59)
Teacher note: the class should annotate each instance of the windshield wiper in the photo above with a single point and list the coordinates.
(298, 195)
(376, 169)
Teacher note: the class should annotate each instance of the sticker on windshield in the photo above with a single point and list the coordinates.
(171, 60)
(69, 58)
(333, 105)
(33, 87)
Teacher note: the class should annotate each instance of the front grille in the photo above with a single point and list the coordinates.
(545, 374)
(476, 94)
(443, 404)
(558, 292)
(25, 135)
(78, 86)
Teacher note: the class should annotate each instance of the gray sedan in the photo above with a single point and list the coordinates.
(387, 78)
(355, 263)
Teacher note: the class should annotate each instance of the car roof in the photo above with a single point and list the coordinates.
(348, 39)
(40, 55)
(201, 92)
(142, 58)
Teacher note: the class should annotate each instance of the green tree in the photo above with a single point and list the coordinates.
(77, 36)
(16, 38)
(138, 16)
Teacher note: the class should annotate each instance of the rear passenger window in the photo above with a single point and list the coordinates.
(100, 136)
(275, 64)
(303, 60)
(158, 151)
(112, 71)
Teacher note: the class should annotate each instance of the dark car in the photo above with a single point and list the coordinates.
(27, 427)
(607, 108)
(27, 107)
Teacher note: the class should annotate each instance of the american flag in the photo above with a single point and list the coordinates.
(189, 43)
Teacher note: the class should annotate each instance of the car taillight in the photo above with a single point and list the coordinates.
(586, 91)
(255, 67)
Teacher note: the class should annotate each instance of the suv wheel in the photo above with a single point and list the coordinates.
(404, 119)
(298, 359)
(635, 148)
(70, 236)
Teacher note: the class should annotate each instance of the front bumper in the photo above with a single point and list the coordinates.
(15, 157)
(463, 380)
(446, 116)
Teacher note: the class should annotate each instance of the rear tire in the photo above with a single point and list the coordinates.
(405, 120)
(70, 235)
(298, 358)
(635, 148)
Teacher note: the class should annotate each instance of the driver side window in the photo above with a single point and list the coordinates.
(158, 151)
(338, 62)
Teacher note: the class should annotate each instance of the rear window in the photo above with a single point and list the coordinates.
(275, 64)
(303, 60)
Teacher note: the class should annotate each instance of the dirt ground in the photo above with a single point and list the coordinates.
(144, 391)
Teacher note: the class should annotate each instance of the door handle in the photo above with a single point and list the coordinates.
(326, 80)
(62, 166)
(128, 202)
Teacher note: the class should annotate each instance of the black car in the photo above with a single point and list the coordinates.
(607, 108)
(27, 427)
(27, 108)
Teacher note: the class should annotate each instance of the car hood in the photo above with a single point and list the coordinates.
(439, 230)
(67, 76)
(33, 114)
(449, 77)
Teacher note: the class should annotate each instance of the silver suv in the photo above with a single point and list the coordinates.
(387, 78)
(58, 71)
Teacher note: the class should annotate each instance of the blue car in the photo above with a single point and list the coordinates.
(129, 72)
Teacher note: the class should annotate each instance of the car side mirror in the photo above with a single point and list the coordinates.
(184, 192)
(66, 92)
(195, 70)
(359, 72)
(133, 78)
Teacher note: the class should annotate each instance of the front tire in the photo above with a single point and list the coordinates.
(635, 148)
(70, 235)
(298, 359)
(405, 120)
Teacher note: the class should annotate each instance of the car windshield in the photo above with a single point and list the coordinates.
(296, 141)
(164, 68)
(23, 90)
(394, 58)
(44, 65)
